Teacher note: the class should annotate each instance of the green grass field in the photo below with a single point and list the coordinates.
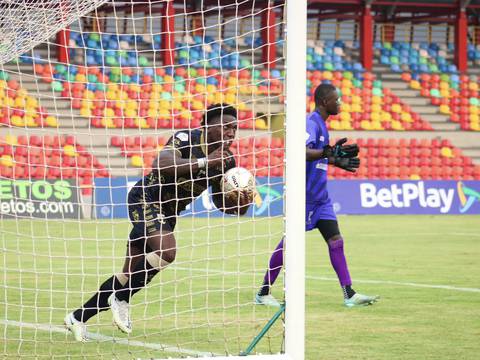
(425, 268)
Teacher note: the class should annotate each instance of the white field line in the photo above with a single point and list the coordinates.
(99, 337)
(325, 278)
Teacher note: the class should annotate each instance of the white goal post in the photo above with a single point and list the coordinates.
(90, 92)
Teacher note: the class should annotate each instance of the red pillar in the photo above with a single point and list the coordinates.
(461, 59)
(366, 38)
(269, 48)
(63, 38)
(168, 35)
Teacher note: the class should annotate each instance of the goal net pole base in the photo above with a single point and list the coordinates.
(264, 330)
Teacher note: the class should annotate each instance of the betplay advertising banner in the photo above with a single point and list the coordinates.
(405, 197)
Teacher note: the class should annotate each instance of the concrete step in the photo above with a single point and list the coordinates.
(445, 126)
(435, 118)
(114, 161)
(425, 109)
(472, 152)
(125, 172)
(416, 101)
(395, 85)
(389, 76)
(406, 93)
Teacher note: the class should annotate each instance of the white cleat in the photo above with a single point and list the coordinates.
(120, 313)
(361, 300)
(267, 300)
(77, 328)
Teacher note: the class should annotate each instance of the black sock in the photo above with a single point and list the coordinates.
(264, 290)
(348, 292)
(98, 302)
(140, 277)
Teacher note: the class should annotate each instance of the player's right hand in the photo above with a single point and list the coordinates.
(349, 164)
(218, 157)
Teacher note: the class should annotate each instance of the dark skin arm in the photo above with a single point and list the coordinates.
(171, 163)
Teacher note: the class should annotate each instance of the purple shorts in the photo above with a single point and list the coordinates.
(316, 212)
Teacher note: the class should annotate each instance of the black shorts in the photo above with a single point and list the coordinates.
(328, 228)
(147, 218)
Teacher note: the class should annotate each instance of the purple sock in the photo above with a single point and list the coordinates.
(339, 263)
(274, 267)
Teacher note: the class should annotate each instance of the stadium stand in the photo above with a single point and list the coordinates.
(123, 90)
(18, 108)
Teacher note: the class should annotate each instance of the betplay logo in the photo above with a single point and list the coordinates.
(467, 197)
(406, 195)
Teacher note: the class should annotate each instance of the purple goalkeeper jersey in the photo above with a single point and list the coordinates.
(317, 138)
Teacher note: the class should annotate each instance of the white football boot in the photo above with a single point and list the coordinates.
(77, 328)
(120, 313)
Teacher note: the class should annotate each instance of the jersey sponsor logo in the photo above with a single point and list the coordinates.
(182, 136)
(406, 195)
(322, 166)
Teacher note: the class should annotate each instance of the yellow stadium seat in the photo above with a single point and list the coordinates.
(446, 152)
(365, 125)
(108, 123)
(137, 161)
(414, 84)
(335, 124)
(51, 121)
(11, 140)
(7, 161)
(396, 108)
(85, 112)
(17, 121)
(444, 109)
(69, 150)
(141, 123)
(397, 125)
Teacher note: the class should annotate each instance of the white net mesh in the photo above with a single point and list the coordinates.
(24, 24)
(77, 135)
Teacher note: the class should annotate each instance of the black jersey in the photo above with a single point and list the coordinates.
(176, 192)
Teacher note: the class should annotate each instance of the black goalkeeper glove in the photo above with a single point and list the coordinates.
(340, 150)
(345, 151)
(349, 164)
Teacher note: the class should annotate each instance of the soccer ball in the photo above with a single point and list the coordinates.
(237, 179)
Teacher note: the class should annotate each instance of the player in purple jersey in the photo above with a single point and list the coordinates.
(319, 209)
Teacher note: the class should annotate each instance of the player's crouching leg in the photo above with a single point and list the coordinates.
(142, 275)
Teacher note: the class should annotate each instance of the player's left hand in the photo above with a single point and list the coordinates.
(239, 201)
(345, 151)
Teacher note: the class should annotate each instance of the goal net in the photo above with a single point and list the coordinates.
(91, 91)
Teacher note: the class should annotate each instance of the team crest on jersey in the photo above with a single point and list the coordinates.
(182, 136)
